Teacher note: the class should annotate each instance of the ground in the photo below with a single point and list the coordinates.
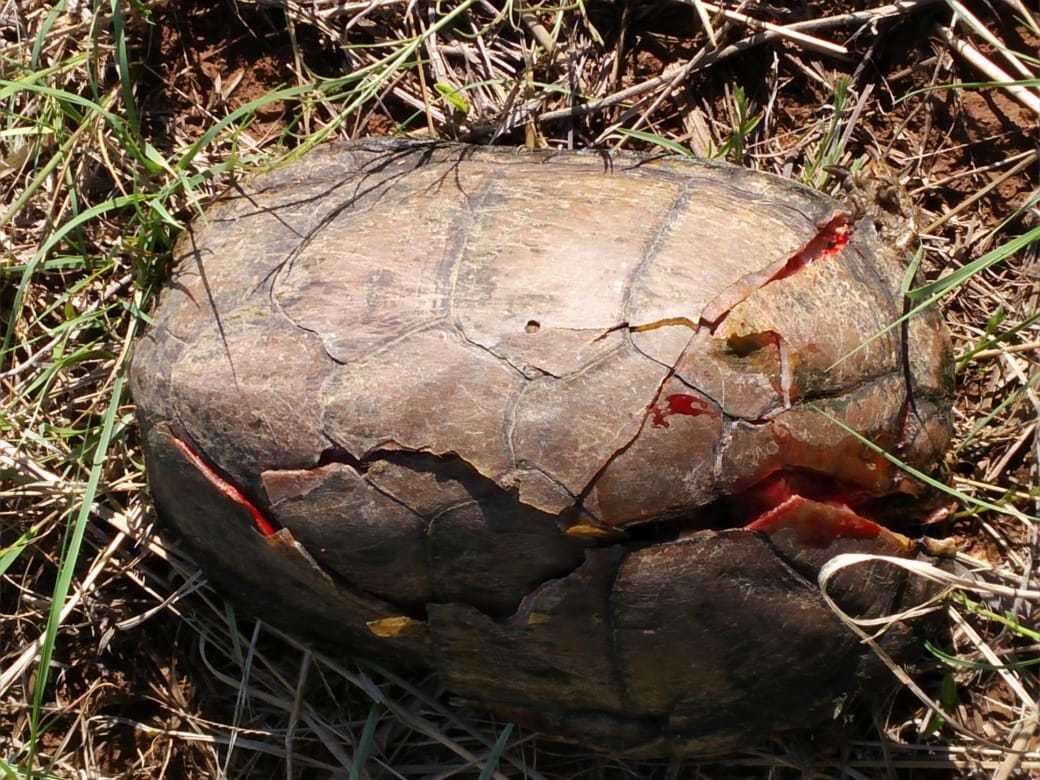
(121, 121)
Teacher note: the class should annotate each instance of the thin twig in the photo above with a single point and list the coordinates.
(991, 70)
(981, 193)
(781, 31)
(960, 12)
(702, 13)
(30, 653)
(828, 22)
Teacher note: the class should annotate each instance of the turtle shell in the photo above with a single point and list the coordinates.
(575, 430)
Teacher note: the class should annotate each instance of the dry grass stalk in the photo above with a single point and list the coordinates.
(992, 71)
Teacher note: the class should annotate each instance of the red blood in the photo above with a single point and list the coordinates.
(225, 487)
(827, 243)
(816, 524)
(767, 494)
(841, 238)
(778, 487)
(678, 403)
(816, 507)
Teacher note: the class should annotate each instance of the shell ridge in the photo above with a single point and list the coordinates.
(349, 205)
(334, 213)
(653, 247)
(461, 231)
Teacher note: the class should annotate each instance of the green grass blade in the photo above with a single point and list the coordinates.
(366, 743)
(453, 96)
(10, 771)
(16, 307)
(495, 756)
(977, 666)
(123, 67)
(894, 324)
(1008, 621)
(63, 96)
(982, 424)
(936, 290)
(978, 503)
(657, 140)
(10, 554)
(911, 270)
(246, 109)
(990, 340)
(829, 150)
(67, 565)
(380, 75)
(1028, 83)
(40, 177)
(63, 153)
(961, 275)
(43, 33)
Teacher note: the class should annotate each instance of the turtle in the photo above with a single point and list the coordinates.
(574, 430)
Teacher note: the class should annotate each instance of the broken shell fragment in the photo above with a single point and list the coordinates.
(478, 409)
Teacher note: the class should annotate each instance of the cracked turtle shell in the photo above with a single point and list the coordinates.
(575, 431)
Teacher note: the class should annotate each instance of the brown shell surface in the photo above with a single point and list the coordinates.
(484, 397)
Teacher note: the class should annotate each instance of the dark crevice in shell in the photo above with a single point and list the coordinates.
(724, 514)
(890, 511)
(225, 484)
(480, 491)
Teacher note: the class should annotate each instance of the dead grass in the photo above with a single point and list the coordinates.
(121, 120)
